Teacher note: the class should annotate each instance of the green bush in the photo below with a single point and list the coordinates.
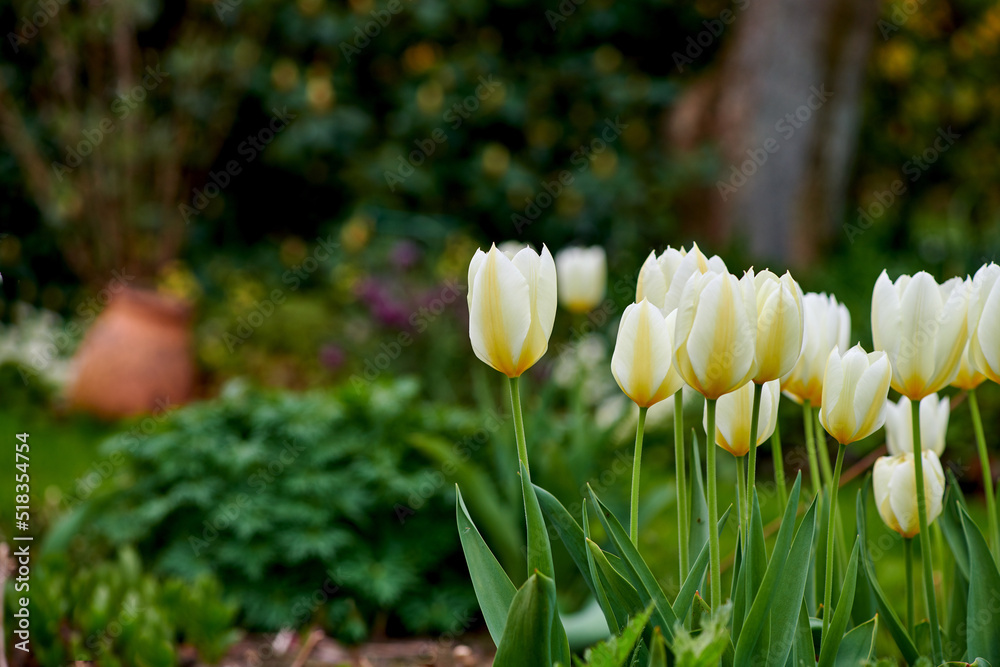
(115, 613)
(303, 506)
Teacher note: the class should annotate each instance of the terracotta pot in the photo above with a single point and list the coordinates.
(135, 358)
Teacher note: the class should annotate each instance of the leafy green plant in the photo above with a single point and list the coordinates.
(309, 508)
(117, 614)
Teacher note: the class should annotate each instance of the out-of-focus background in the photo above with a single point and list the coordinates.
(234, 238)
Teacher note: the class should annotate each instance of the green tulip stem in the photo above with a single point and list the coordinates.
(744, 507)
(515, 401)
(633, 524)
(713, 507)
(925, 538)
(908, 550)
(984, 460)
(822, 450)
(779, 465)
(683, 513)
(831, 536)
(807, 420)
(752, 462)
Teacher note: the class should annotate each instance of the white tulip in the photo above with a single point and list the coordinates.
(583, 277)
(968, 376)
(934, 415)
(662, 279)
(922, 327)
(716, 335)
(894, 482)
(779, 325)
(984, 322)
(512, 306)
(643, 356)
(855, 393)
(826, 325)
(734, 412)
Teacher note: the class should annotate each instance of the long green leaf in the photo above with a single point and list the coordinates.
(790, 596)
(539, 549)
(757, 554)
(842, 613)
(494, 589)
(858, 645)
(601, 590)
(685, 596)
(699, 506)
(622, 596)
(569, 531)
(804, 654)
(758, 614)
(951, 525)
(527, 637)
(983, 627)
(636, 570)
(958, 604)
(658, 654)
(885, 610)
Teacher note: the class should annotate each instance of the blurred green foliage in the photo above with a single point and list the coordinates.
(115, 613)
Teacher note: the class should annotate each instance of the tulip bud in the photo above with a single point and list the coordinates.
(583, 277)
(643, 356)
(894, 482)
(779, 325)
(922, 327)
(984, 322)
(933, 425)
(716, 335)
(826, 325)
(855, 393)
(734, 412)
(512, 306)
(662, 279)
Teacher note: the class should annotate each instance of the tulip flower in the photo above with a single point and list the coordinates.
(934, 415)
(642, 360)
(894, 484)
(734, 413)
(922, 327)
(642, 366)
(662, 279)
(855, 393)
(826, 325)
(980, 361)
(512, 306)
(714, 344)
(583, 277)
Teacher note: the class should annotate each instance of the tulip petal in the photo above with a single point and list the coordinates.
(540, 274)
(651, 285)
(499, 317)
(870, 396)
(885, 316)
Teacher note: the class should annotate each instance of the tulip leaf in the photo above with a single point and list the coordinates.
(689, 590)
(636, 570)
(599, 587)
(738, 591)
(858, 645)
(622, 596)
(885, 610)
(685, 597)
(569, 532)
(804, 649)
(841, 614)
(757, 553)
(494, 589)
(698, 537)
(539, 549)
(864, 599)
(958, 604)
(951, 525)
(776, 646)
(658, 654)
(983, 629)
(527, 636)
(757, 617)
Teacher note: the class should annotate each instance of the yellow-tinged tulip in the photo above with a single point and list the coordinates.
(968, 376)
(642, 360)
(662, 279)
(583, 278)
(734, 411)
(716, 334)
(984, 322)
(779, 325)
(827, 324)
(894, 482)
(922, 327)
(934, 415)
(512, 305)
(855, 393)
